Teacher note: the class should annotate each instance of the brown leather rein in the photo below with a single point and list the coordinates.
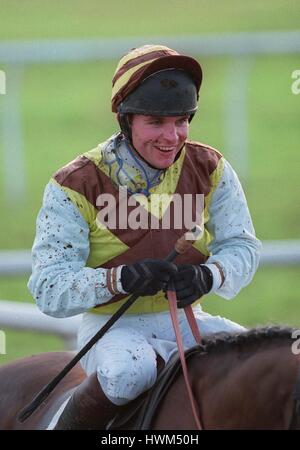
(171, 294)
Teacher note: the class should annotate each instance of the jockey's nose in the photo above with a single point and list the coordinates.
(170, 133)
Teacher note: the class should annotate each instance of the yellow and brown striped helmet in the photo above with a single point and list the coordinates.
(147, 60)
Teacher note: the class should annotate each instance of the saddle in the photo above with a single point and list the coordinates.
(139, 413)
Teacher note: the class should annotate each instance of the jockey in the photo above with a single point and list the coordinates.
(100, 235)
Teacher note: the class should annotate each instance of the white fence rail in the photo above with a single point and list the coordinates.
(27, 317)
(70, 50)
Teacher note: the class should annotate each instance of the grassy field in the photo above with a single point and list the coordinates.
(73, 18)
(66, 111)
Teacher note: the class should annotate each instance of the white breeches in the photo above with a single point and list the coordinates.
(125, 357)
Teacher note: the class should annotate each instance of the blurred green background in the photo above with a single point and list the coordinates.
(66, 111)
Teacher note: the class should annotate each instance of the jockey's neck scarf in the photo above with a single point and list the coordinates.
(127, 169)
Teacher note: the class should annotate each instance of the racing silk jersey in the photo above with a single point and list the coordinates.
(73, 249)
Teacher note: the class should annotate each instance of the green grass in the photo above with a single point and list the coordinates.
(272, 298)
(20, 344)
(98, 18)
(66, 111)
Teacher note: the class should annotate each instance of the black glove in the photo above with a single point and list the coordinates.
(147, 276)
(191, 282)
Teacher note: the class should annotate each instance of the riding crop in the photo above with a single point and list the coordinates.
(181, 246)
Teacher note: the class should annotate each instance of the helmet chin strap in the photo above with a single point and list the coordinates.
(125, 127)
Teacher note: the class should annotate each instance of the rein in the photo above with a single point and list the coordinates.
(195, 330)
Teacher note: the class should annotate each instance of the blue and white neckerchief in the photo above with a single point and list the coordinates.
(126, 169)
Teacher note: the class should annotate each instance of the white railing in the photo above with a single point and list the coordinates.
(70, 50)
(27, 317)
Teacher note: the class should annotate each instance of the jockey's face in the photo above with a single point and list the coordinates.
(159, 139)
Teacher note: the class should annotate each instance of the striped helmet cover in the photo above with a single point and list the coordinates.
(141, 62)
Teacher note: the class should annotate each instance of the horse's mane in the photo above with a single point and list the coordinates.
(243, 340)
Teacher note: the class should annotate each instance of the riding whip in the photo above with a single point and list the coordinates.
(181, 246)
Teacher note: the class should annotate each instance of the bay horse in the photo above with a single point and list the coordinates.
(249, 380)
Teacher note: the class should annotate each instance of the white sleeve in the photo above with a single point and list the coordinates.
(234, 246)
(60, 283)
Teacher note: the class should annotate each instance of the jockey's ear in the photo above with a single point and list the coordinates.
(125, 124)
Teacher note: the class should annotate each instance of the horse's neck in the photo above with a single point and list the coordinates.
(250, 389)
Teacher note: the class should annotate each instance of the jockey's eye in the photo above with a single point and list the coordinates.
(155, 122)
(182, 121)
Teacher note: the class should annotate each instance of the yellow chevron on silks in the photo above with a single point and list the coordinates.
(158, 203)
(143, 305)
(95, 155)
